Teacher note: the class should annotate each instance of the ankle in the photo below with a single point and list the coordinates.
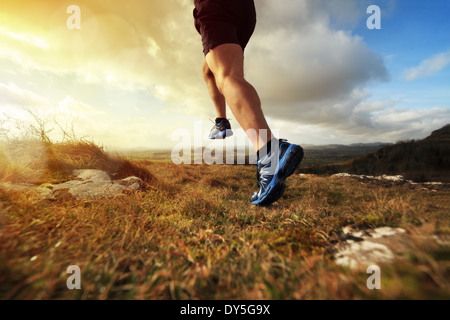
(267, 148)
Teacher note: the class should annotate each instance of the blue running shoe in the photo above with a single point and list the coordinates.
(273, 169)
(221, 129)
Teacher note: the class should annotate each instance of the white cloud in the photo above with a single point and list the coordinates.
(19, 107)
(14, 97)
(390, 124)
(309, 72)
(24, 38)
(429, 66)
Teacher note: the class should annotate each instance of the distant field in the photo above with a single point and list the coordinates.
(158, 156)
(314, 155)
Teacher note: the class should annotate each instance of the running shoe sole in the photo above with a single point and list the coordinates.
(222, 135)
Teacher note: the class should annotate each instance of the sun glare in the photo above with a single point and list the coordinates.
(25, 38)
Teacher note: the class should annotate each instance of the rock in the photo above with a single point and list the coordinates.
(364, 253)
(90, 185)
(362, 248)
(92, 175)
(44, 192)
(373, 233)
(130, 182)
(394, 178)
(385, 232)
(398, 180)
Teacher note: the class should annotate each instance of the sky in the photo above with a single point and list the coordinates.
(131, 76)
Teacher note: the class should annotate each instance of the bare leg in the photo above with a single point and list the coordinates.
(216, 96)
(227, 64)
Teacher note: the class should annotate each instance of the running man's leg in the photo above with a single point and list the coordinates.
(216, 96)
(227, 64)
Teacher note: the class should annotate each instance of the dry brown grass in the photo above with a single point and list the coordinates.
(194, 235)
(36, 162)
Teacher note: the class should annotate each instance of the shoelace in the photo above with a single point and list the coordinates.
(267, 165)
(214, 122)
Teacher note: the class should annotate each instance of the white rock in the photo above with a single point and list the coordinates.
(372, 248)
(90, 184)
(393, 178)
(92, 175)
(363, 253)
(385, 232)
(94, 184)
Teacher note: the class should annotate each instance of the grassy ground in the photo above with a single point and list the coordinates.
(192, 234)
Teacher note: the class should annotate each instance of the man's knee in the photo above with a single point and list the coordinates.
(229, 80)
(207, 73)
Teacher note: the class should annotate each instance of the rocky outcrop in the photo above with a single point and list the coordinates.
(368, 247)
(396, 180)
(88, 184)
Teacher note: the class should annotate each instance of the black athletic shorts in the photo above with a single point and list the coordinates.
(224, 21)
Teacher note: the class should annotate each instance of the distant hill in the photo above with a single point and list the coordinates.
(335, 153)
(442, 135)
(427, 159)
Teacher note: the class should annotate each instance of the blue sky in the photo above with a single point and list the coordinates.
(131, 76)
(416, 31)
